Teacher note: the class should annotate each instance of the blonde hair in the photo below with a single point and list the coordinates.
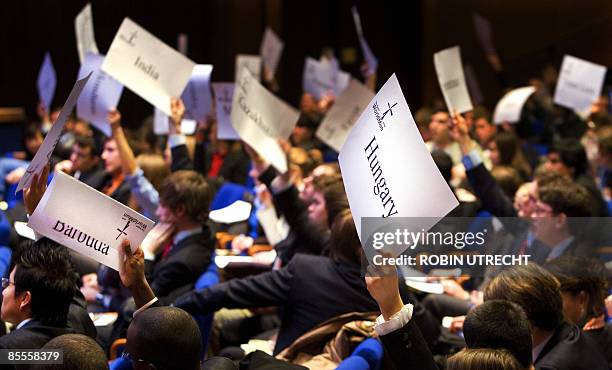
(483, 359)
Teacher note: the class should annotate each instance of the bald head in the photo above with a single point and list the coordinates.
(167, 337)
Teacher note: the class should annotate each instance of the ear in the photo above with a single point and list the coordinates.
(26, 300)
(179, 211)
(583, 298)
(561, 221)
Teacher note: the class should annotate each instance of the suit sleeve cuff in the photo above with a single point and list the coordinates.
(395, 322)
(176, 140)
(472, 159)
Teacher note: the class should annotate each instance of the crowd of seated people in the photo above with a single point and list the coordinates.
(552, 205)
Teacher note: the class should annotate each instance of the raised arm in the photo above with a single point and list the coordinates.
(128, 161)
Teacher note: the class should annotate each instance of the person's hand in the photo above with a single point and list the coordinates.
(131, 265)
(114, 118)
(241, 243)
(157, 238)
(177, 110)
(460, 132)
(42, 112)
(64, 166)
(34, 193)
(457, 324)
(15, 175)
(454, 289)
(326, 102)
(382, 283)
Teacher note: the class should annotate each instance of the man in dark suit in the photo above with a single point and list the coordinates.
(556, 343)
(37, 294)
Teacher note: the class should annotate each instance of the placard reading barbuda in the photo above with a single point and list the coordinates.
(387, 169)
(87, 221)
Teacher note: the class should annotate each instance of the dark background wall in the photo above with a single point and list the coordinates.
(404, 35)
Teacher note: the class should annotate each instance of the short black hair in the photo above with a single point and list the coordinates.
(88, 142)
(167, 337)
(45, 270)
(80, 353)
(534, 289)
(444, 162)
(499, 324)
(572, 154)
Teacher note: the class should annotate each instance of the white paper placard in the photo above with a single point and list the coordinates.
(323, 77)
(197, 96)
(387, 169)
(260, 118)
(251, 62)
(340, 119)
(99, 96)
(508, 109)
(579, 83)
(271, 49)
(46, 82)
(275, 228)
(147, 66)
(84, 30)
(236, 212)
(41, 158)
(452, 80)
(224, 93)
(161, 124)
(87, 221)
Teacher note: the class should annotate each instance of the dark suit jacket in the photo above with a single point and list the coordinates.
(94, 178)
(570, 349)
(235, 167)
(310, 290)
(178, 271)
(408, 349)
(603, 337)
(32, 335)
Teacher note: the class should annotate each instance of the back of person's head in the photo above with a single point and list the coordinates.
(572, 154)
(508, 179)
(484, 359)
(165, 337)
(187, 190)
(444, 163)
(43, 269)
(154, 167)
(344, 241)
(582, 278)
(481, 112)
(499, 324)
(335, 197)
(80, 352)
(534, 289)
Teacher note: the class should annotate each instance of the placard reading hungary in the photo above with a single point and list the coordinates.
(147, 66)
(387, 169)
(260, 118)
(87, 221)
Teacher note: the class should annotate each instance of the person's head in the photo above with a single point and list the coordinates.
(567, 157)
(484, 359)
(111, 158)
(81, 128)
(325, 169)
(558, 210)
(167, 338)
(444, 163)
(303, 131)
(503, 148)
(508, 179)
(484, 129)
(32, 138)
(422, 117)
(439, 127)
(154, 168)
(41, 284)
(300, 162)
(184, 199)
(534, 289)
(80, 352)
(84, 154)
(327, 190)
(344, 241)
(584, 286)
(499, 324)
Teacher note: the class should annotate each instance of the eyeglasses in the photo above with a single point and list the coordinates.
(6, 282)
(137, 361)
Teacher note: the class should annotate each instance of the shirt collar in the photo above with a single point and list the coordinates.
(22, 324)
(181, 235)
(558, 250)
(535, 352)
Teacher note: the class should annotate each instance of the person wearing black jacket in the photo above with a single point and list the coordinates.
(37, 294)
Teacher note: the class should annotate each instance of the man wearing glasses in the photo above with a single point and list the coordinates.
(37, 294)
